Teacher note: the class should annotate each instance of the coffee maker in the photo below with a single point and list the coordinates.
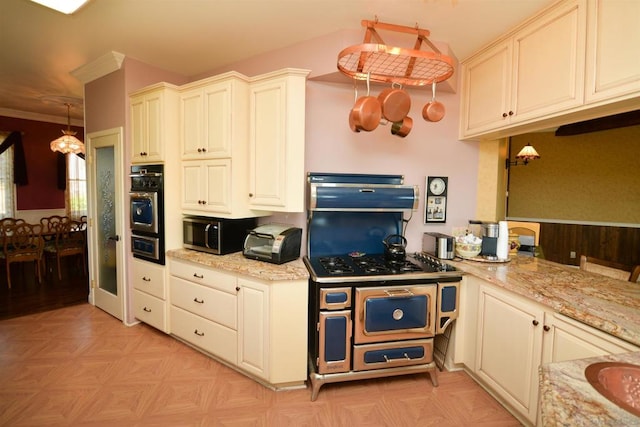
(489, 231)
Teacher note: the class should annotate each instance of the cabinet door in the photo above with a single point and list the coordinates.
(191, 124)
(613, 62)
(253, 327)
(510, 348)
(138, 129)
(548, 63)
(218, 115)
(567, 339)
(486, 90)
(276, 142)
(155, 123)
(206, 186)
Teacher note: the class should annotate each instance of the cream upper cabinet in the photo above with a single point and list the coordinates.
(613, 40)
(213, 117)
(530, 74)
(206, 187)
(153, 122)
(509, 348)
(277, 141)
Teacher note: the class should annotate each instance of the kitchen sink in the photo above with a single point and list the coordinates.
(618, 382)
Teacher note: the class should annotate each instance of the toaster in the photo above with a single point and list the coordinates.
(274, 243)
(439, 245)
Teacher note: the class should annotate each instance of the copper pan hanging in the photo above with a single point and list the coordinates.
(395, 103)
(433, 111)
(366, 113)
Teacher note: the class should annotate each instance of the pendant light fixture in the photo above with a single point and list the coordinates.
(68, 143)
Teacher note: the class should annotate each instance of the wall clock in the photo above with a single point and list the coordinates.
(435, 207)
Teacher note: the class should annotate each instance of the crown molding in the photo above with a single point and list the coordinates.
(106, 64)
(37, 117)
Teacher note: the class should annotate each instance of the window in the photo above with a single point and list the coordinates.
(76, 194)
(6, 183)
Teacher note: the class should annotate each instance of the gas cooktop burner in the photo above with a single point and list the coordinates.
(374, 266)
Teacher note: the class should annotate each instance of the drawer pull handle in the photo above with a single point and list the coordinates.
(199, 301)
(146, 309)
(146, 279)
(406, 357)
(198, 276)
(200, 334)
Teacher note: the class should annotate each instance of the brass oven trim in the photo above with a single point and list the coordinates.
(363, 293)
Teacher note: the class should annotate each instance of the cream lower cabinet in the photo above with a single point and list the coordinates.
(510, 348)
(503, 338)
(150, 294)
(260, 327)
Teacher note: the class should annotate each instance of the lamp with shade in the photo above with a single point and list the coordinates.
(68, 143)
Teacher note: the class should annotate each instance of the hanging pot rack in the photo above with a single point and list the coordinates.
(389, 64)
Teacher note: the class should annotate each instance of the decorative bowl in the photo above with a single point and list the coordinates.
(468, 250)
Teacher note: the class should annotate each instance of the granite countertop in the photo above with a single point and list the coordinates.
(237, 263)
(567, 398)
(609, 305)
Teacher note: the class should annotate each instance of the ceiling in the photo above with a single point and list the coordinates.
(40, 47)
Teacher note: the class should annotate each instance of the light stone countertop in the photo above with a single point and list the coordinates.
(610, 305)
(237, 263)
(567, 398)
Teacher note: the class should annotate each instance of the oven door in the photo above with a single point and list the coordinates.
(144, 212)
(334, 342)
(147, 248)
(394, 313)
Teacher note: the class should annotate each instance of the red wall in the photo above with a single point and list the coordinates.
(42, 191)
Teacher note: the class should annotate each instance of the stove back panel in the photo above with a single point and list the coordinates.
(338, 233)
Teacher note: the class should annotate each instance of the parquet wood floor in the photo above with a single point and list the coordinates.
(78, 366)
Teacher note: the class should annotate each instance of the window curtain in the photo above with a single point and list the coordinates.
(19, 163)
(6, 184)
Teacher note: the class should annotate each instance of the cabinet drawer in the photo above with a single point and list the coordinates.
(204, 276)
(400, 353)
(150, 310)
(209, 303)
(209, 336)
(149, 278)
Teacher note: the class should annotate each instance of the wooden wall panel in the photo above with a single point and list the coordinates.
(617, 244)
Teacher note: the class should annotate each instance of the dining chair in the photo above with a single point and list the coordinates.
(635, 274)
(22, 242)
(68, 241)
(606, 268)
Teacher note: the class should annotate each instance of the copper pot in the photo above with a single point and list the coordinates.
(395, 103)
(433, 111)
(366, 113)
(402, 128)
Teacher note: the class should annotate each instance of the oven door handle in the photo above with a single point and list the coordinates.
(405, 357)
(398, 293)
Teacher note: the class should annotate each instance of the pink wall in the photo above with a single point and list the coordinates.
(430, 149)
(41, 192)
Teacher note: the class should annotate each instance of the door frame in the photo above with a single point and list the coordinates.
(117, 307)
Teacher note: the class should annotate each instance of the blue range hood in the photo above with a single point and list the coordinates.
(355, 212)
(360, 192)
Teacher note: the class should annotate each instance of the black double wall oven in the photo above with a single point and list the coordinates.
(369, 315)
(146, 219)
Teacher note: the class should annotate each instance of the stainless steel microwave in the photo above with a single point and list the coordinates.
(216, 235)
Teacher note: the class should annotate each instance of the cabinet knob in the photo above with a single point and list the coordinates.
(199, 150)
(238, 288)
(504, 115)
(204, 150)
(250, 194)
(511, 113)
(535, 322)
(546, 328)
